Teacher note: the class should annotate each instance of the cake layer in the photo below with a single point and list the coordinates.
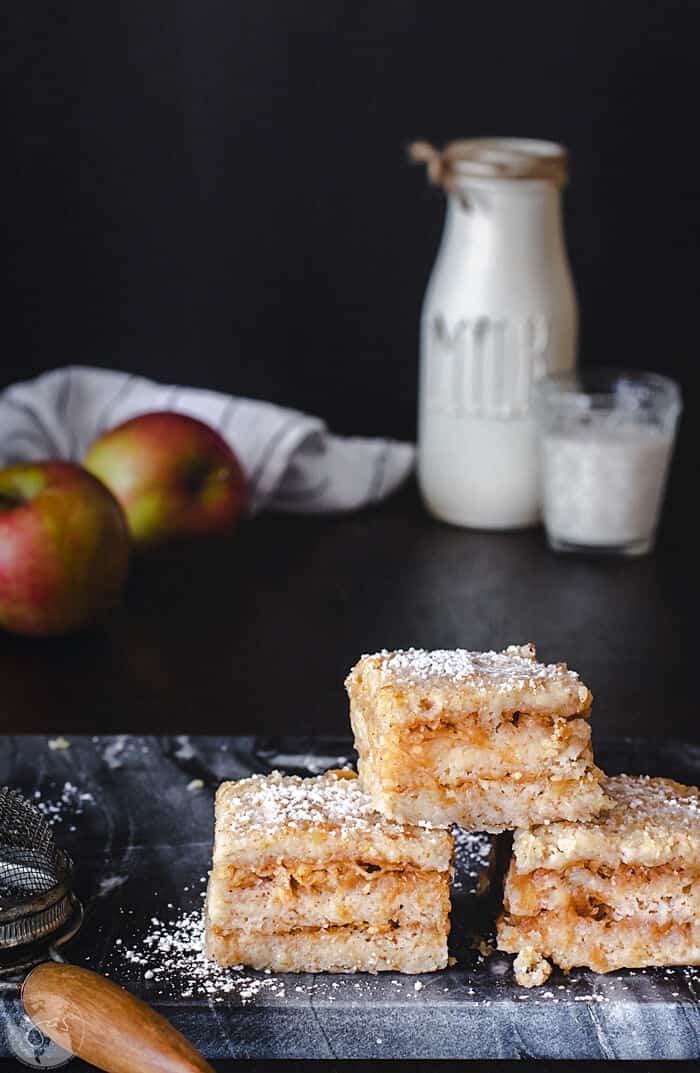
(652, 822)
(452, 750)
(492, 805)
(301, 894)
(266, 819)
(409, 949)
(604, 946)
(664, 894)
(416, 687)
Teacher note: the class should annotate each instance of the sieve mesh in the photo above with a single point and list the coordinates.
(38, 909)
(30, 862)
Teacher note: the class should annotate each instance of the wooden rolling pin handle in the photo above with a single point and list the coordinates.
(105, 1025)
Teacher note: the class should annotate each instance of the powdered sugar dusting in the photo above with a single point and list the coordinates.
(641, 797)
(653, 822)
(71, 802)
(275, 802)
(497, 670)
(649, 808)
(172, 959)
(471, 860)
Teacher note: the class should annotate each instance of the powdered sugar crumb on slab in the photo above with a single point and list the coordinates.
(70, 802)
(172, 957)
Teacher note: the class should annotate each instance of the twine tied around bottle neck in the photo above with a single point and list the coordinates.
(491, 158)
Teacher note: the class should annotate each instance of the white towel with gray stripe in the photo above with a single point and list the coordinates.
(291, 460)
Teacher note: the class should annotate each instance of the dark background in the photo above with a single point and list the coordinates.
(216, 191)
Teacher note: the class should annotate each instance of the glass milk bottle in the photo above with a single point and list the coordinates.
(500, 311)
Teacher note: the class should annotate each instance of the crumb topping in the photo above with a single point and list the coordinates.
(516, 665)
(653, 821)
(640, 799)
(274, 802)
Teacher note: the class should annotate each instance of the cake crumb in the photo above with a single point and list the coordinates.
(531, 969)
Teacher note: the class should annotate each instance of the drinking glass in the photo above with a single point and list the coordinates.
(605, 443)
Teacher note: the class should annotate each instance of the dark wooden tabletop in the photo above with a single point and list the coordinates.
(257, 634)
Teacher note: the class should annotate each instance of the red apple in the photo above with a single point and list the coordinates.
(64, 548)
(173, 475)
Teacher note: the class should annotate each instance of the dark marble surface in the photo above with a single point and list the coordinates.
(141, 840)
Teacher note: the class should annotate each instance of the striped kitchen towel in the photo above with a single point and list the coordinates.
(292, 461)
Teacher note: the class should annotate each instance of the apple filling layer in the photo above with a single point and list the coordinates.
(319, 894)
(661, 895)
(522, 746)
(603, 945)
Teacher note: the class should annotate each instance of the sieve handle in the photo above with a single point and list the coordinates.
(103, 1024)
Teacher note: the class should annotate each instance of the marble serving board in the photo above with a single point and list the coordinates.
(136, 815)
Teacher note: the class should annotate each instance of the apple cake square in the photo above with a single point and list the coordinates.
(620, 891)
(487, 740)
(308, 877)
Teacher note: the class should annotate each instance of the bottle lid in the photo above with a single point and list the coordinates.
(492, 158)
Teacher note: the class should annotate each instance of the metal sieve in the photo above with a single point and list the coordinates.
(38, 909)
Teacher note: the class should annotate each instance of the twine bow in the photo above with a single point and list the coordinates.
(439, 162)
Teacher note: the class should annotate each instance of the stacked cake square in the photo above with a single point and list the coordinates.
(486, 740)
(619, 891)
